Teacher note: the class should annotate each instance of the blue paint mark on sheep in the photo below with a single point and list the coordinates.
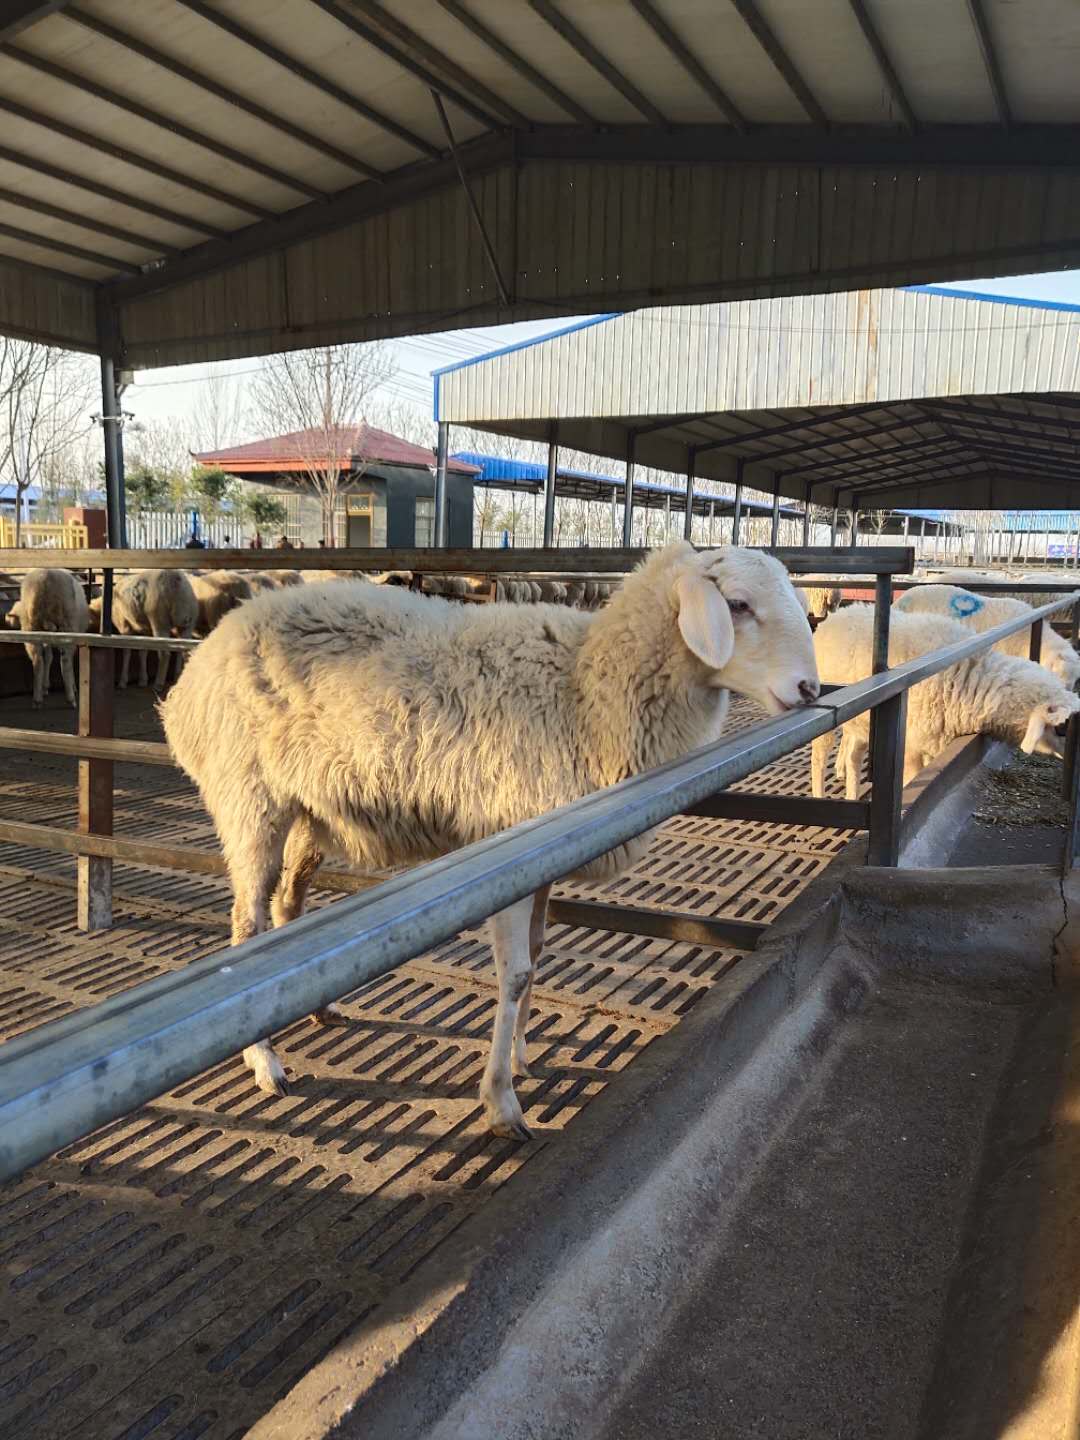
(964, 605)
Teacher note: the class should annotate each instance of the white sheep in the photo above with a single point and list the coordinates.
(983, 612)
(51, 600)
(394, 728)
(216, 593)
(821, 600)
(990, 693)
(154, 602)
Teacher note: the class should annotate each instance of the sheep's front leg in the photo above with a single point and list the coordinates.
(536, 941)
(510, 937)
(856, 754)
(67, 670)
(125, 667)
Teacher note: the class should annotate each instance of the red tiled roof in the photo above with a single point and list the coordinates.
(350, 443)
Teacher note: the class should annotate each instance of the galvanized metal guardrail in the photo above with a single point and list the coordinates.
(63, 1080)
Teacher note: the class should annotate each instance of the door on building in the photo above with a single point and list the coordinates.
(359, 511)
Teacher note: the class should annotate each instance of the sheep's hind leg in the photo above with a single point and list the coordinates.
(510, 935)
(819, 759)
(536, 941)
(67, 670)
(303, 856)
(254, 867)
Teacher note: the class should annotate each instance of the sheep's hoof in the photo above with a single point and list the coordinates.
(37, 704)
(330, 1015)
(507, 1130)
(506, 1119)
(521, 1068)
(268, 1071)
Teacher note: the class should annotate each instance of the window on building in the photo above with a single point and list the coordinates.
(425, 523)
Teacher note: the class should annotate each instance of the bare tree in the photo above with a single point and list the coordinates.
(319, 396)
(220, 414)
(45, 394)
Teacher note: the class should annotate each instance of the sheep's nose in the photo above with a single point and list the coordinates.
(809, 690)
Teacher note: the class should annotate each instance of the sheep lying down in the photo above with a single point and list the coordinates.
(391, 728)
(990, 694)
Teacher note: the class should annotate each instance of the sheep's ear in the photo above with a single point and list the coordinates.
(704, 620)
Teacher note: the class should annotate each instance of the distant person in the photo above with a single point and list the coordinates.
(226, 540)
(255, 544)
(322, 544)
(283, 544)
(194, 543)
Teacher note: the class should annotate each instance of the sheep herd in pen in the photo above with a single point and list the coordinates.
(327, 714)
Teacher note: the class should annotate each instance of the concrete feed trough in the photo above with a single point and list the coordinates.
(839, 1202)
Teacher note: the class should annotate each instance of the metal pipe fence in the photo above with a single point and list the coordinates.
(65, 1079)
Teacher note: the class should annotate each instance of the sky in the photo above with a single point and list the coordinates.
(159, 394)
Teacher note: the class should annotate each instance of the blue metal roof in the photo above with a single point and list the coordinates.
(505, 474)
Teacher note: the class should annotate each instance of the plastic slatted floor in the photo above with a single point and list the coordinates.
(175, 1273)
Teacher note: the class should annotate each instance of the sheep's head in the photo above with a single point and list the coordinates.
(739, 613)
(1062, 661)
(1045, 718)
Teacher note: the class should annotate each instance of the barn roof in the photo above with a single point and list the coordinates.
(186, 180)
(920, 396)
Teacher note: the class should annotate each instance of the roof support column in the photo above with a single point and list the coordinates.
(736, 514)
(688, 514)
(628, 494)
(854, 521)
(111, 421)
(441, 526)
(774, 533)
(833, 524)
(549, 487)
(806, 518)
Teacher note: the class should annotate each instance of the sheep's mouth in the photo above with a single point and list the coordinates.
(781, 707)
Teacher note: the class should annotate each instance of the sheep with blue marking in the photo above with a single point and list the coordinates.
(983, 612)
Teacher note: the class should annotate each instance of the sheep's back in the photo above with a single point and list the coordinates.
(52, 600)
(407, 725)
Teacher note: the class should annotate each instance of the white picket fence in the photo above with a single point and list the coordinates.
(170, 529)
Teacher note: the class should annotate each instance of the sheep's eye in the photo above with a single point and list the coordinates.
(739, 607)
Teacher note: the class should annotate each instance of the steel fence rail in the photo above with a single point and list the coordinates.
(61, 1081)
(884, 559)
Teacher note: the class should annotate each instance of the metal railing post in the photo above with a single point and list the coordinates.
(774, 530)
(688, 514)
(628, 493)
(887, 767)
(1035, 644)
(96, 673)
(549, 488)
(1072, 793)
(736, 511)
(442, 526)
(1074, 623)
(880, 663)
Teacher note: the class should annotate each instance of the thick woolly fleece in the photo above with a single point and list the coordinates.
(216, 593)
(983, 612)
(155, 602)
(990, 694)
(405, 726)
(52, 600)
